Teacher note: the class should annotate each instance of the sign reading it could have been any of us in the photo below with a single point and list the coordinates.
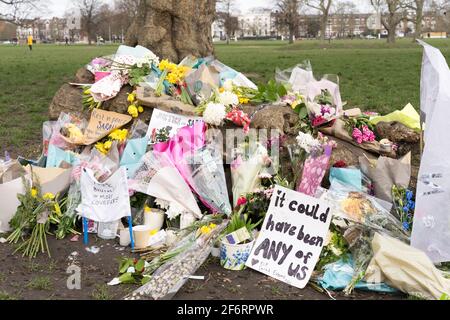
(291, 238)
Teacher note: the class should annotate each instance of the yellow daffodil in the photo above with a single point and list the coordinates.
(140, 109)
(119, 135)
(87, 92)
(131, 97)
(147, 209)
(101, 148)
(244, 100)
(153, 232)
(172, 78)
(222, 90)
(213, 226)
(49, 196)
(107, 145)
(165, 64)
(294, 104)
(205, 230)
(34, 193)
(133, 111)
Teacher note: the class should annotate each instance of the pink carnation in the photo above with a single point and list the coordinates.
(368, 134)
(357, 135)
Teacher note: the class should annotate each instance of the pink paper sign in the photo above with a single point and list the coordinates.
(313, 173)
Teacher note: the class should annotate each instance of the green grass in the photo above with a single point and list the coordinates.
(101, 292)
(4, 296)
(373, 76)
(40, 283)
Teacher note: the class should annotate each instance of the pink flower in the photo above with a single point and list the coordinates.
(357, 135)
(318, 121)
(241, 201)
(368, 134)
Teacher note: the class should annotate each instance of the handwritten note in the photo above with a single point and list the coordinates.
(291, 238)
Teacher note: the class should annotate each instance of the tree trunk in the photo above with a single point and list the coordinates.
(418, 26)
(291, 36)
(323, 26)
(174, 29)
(391, 35)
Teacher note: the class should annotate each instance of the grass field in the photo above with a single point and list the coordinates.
(373, 75)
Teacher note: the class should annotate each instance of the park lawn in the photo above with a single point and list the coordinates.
(373, 76)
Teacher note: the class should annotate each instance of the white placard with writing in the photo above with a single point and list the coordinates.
(167, 123)
(104, 202)
(292, 237)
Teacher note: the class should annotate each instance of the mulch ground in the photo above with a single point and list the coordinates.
(46, 278)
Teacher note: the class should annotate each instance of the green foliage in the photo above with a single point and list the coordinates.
(239, 221)
(270, 92)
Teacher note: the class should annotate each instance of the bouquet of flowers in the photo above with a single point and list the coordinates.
(33, 219)
(248, 162)
(182, 261)
(322, 109)
(360, 129)
(404, 206)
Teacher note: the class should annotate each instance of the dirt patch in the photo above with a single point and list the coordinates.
(46, 278)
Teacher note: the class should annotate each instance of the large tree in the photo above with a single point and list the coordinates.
(417, 6)
(324, 9)
(392, 14)
(226, 17)
(289, 16)
(174, 29)
(345, 13)
(90, 12)
(17, 11)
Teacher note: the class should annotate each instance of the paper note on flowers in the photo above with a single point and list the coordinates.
(104, 202)
(165, 125)
(291, 237)
(103, 123)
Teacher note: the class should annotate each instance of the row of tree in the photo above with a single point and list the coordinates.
(390, 13)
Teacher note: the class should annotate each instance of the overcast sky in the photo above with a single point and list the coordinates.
(58, 7)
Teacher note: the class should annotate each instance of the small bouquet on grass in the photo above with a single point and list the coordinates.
(33, 220)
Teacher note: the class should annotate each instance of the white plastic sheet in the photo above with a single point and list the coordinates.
(431, 231)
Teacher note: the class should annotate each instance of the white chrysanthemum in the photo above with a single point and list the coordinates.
(174, 211)
(228, 85)
(214, 113)
(228, 98)
(315, 108)
(307, 142)
(163, 204)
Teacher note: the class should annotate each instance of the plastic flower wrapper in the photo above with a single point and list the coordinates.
(248, 162)
(208, 177)
(362, 209)
(301, 80)
(158, 177)
(67, 131)
(183, 261)
(136, 147)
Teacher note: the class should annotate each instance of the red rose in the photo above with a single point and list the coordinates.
(340, 164)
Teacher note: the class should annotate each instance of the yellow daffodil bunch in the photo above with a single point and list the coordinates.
(175, 73)
(48, 196)
(119, 135)
(205, 230)
(134, 109)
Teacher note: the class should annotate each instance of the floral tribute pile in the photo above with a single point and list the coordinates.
(178, 198)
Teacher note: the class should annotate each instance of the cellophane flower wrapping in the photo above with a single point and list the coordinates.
(208, 177)
(245, 169)
(363, 209)
(169, 278)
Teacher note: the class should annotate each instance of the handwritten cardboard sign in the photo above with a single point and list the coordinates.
(291, 238)
(165, 123)
(103, 123)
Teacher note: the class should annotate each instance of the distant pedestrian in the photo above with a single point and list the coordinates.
(30, 42)
(67, 41)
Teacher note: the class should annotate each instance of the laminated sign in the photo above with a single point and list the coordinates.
(104, 202)
(292, 237)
